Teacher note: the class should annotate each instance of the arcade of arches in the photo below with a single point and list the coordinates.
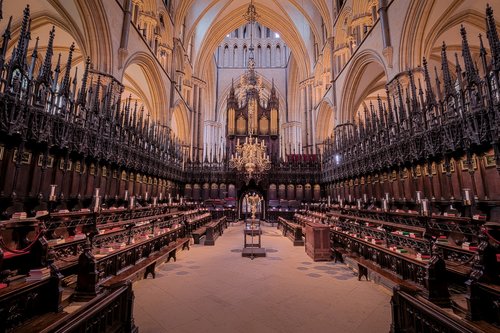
(369, 130)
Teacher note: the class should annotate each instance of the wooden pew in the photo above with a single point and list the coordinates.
(147, 266)
(214, 230)
(291, 230)
(198, 233)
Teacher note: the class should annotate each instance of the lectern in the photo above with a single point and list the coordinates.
(318, 241)
(252, 240)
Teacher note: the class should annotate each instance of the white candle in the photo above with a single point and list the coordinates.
(385, 205)
(329, 200)
(419, 196)
(359, 204)
(146, 196)
(387, 196)
(350, 198)
(126, 195)
(161, 195)
(97, 203)
(467, 194)
(365, 197)
(425, 206)
(52, 196)
(155, 201)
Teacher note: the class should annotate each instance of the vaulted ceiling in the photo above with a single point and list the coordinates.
(299, 23)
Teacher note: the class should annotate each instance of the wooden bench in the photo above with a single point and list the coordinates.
(214, 230)
(338, 254)
(364, 266)
(198, 233)
(148, 265)
(292, 230)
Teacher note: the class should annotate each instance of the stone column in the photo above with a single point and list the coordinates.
(386, 36)
(305, 106)
(127, 17)
(198, 130)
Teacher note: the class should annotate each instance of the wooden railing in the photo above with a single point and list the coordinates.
(413, 313)
(110, 311)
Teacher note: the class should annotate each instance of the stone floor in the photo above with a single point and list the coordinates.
(214, 289)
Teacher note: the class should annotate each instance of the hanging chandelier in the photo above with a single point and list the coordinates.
(251, 159)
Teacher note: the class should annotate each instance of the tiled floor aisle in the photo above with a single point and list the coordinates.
(214, 289)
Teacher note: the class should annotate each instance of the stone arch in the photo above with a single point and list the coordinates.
(423, 33)
(366, 77)
(96, 26)
(324, 121)
(144, 82)
(180, 122)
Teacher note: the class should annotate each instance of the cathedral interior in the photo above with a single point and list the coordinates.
(249, 166)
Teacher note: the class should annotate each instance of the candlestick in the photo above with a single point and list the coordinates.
(419, 196)
(425, 207)
(467, 196)
(52, 196)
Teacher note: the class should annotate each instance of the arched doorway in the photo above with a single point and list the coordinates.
(243, 206)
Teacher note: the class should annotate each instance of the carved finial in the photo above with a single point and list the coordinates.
(448, 84)
(65, 82)
(493, 39)
(83, 89)
(470, 70)
(34, 56)
(430, 97)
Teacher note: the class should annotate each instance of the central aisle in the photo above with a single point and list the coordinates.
(215, 289)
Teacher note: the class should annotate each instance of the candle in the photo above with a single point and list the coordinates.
(97, 192)
(387, 196)
(338, 198)
(146, 196)
(97, 203)
(154, 201)
(350, 198)
(419, 196)
(52, 196)
(467, 195)
(126, 195)
(169, 199)
(359, 203)
(425, 207)
(385, 205)
(161, 195)
(329, 200)
(365, 198)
